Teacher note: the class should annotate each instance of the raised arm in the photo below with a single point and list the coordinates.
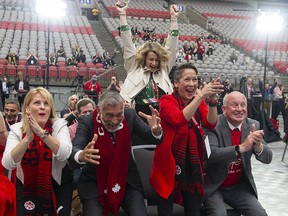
(126, 35)
(172, 40)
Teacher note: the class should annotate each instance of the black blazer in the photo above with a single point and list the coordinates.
(1, 87)
(87, 187)
(26, 85)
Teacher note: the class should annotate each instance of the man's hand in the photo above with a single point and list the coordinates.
(254, 139)
(89, 154)
(153, 120)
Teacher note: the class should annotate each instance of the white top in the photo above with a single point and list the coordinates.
(60, 132)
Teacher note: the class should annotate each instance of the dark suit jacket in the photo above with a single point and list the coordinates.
(223, 153)
(87, 187)
(1, 87)
(26, 85)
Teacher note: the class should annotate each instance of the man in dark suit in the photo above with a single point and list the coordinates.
(228, 175)
(109, 178)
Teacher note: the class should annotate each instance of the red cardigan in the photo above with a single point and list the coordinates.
(162, 176)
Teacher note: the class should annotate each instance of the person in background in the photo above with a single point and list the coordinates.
(70, 113)
(11, 112)
(233, 57)
(200, 49)
(249, 91)
(113, 85)
(97, 58)
(278, 105)
(12, 58)
(147, 67)
(228, 173)
(227, 89)
(7, 189)
(22, 87)
(52, 60)
(178, 160)
(81, 57)
(103, 140)
(61, 52)
(84, 106)
(32, 59)
(267, 94)
(39, 147)
(5, 86)
(93, 89)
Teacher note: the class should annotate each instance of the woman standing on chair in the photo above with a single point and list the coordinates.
(38, 147)
(178, 160)
(147, 67)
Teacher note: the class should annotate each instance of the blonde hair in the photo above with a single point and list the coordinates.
(155, 47)
(28, 99)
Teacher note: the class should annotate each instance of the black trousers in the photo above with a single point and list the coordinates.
(191, 203)
(133, 204)
(277, 107)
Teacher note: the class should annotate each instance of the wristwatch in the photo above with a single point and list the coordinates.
(237, 150)
(44, 135)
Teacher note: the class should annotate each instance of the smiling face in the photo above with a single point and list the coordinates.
(112, 116)
(187, 84)
(11, 111)
(235, 108)
(152, 61)
(39, 108)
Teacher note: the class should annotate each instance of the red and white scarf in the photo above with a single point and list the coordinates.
(112, 171)
(38, 192)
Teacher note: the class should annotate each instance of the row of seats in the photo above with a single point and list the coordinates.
(44, 27)
(55, 73)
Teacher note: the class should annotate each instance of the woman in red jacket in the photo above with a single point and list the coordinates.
(178, 161)
(7, 189)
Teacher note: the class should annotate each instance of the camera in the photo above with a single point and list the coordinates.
(80, 79)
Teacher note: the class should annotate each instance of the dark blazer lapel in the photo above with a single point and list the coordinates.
(245, 133)
(226, 132)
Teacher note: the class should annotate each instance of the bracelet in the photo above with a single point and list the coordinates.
(44, 135)
(237, 150)
(124, 28)
(213, 103)
(174, 33)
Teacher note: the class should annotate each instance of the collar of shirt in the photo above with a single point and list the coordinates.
(233, 127)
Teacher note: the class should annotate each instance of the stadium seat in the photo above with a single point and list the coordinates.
(2, 70)
(63, 73)
(11, 70)
(32, 72)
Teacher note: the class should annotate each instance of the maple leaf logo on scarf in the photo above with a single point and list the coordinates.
(116, 188)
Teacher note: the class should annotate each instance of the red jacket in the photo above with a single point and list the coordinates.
(162, 177)
(88, 87)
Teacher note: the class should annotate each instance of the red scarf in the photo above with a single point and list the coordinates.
(189, 154)
(38, 193)
(112, 171)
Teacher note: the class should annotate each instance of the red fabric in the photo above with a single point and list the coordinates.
(37, 169)
(88, 87)
(275, 123)
(113, 168)
(7, 192)
(235, 171)
(162, 177)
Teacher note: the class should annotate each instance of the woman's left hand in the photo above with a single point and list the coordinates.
(212, 89)
(153, 120)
